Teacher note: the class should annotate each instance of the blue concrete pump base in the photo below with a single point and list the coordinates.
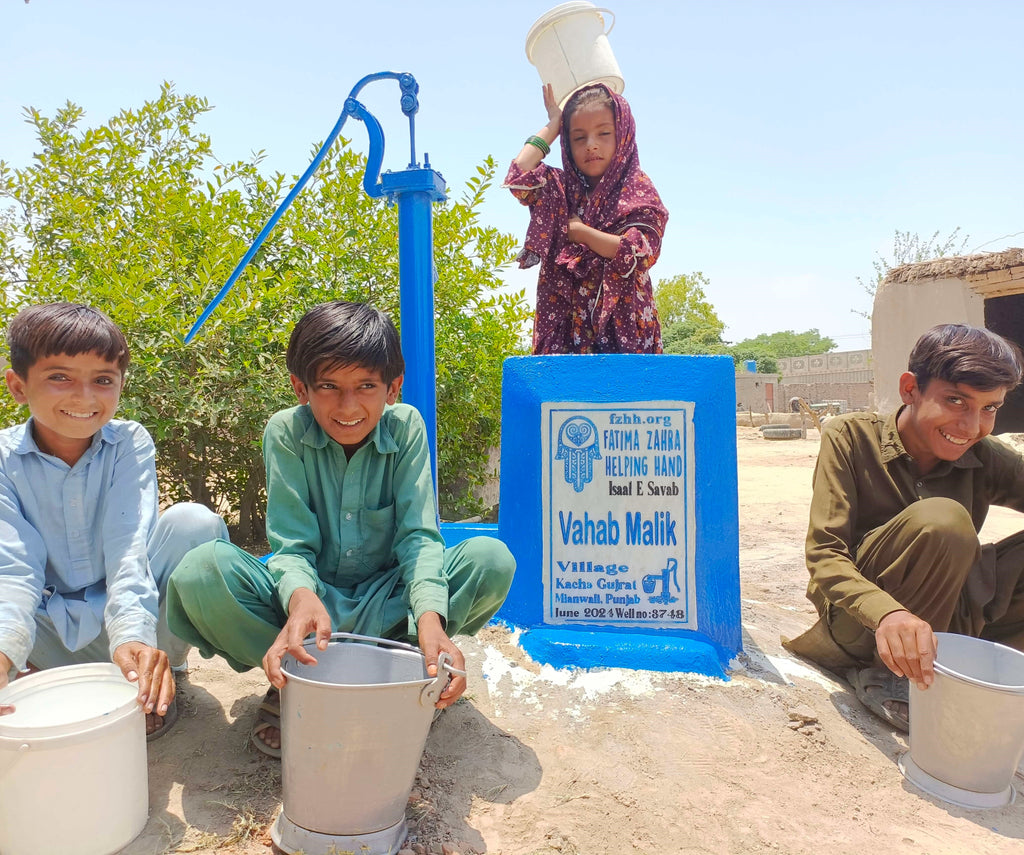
(578, 648)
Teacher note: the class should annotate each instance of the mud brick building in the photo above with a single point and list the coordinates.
(983, 290)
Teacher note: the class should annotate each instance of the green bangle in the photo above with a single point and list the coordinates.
(540, 143)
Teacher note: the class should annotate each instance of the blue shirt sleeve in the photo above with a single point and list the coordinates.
(22, 561)
(126, 525)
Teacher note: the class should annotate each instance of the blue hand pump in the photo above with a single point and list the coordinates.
(412, 190)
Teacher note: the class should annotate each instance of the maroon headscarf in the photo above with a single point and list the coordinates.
(623, 197)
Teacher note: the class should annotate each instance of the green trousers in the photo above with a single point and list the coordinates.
(930, 560)
(223, 600)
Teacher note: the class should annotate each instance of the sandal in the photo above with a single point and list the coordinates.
(268, 714)
(885, 694)
(170, 717)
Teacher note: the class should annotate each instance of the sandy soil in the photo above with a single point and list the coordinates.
(781, 758)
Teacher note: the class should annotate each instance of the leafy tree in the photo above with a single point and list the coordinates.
(767, 348)
(766, 364)
(691, 325)
(138, 218)
(689, 322)
(909, 248)
(691, 337)
(786, 343)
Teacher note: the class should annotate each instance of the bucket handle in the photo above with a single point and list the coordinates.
(577, 12)
(432, 691)
(23, 749)
(351, 636)
(610, 12)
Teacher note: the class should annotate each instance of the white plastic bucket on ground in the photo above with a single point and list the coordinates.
(73, 773)
(967, 729)
(353, 728)
(569, 47)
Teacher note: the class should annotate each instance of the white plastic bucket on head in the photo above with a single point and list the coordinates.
(967, 729)
(569, 47)
(353, 728)
(73, 773)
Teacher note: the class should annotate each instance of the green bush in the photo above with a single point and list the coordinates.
(138, 218)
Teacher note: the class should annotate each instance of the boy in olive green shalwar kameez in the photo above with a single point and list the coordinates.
(892, 545)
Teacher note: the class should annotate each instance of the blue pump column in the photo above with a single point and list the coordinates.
(414, 191)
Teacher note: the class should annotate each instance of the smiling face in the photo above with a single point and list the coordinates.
(347, 402)
(592, 140)
(70, 399)
(945, 419)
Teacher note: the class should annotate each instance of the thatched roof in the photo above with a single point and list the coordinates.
(986, 266)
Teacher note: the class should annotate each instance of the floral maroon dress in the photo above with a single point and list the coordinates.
(586, 303)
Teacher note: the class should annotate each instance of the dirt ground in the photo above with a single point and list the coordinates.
(537, 761)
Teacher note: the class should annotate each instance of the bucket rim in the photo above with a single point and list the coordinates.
(557, 13)
(331, 684)
(366, 641)
(952, 673)
(50, 678)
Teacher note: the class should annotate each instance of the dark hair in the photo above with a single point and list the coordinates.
(51, 328)
(591, 96)
(974, 356)
(339, 333)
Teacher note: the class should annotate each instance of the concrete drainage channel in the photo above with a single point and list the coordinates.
(782, 432)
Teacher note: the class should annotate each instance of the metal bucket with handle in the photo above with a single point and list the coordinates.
(353, 728)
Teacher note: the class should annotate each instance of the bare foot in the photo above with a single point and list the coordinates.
(900, 709)
(269, 736)
(266, 730)
(153, 723)
(158, 725)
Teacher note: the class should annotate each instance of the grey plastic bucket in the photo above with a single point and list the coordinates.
(353, 728)
(967, 729)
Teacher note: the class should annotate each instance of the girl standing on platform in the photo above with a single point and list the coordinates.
(596, 227)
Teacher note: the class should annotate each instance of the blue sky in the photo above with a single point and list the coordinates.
(789, 140)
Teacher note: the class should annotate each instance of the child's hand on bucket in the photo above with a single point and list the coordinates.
(306, 614)
(907, 646)
(148, 667)
(553, 110)
(433, 642)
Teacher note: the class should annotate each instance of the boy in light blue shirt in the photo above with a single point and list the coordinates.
(84, 558)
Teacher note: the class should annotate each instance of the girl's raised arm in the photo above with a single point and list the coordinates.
(539, 145)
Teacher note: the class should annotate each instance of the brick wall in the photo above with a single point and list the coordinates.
(846, 376)
(859, 396)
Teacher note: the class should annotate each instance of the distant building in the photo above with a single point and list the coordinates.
(845, 377)
(758, 392)
(985, 290)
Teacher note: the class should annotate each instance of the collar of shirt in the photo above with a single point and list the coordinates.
(23, 442)
(892, 449)
(316, 437)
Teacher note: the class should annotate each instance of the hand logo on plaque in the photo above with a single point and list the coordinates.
(578, 446)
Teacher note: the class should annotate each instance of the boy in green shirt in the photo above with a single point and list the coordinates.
(351, 521)
(892, 545)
